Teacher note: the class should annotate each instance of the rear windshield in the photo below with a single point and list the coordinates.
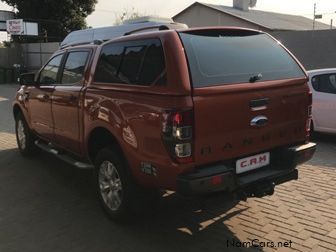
(228, 57)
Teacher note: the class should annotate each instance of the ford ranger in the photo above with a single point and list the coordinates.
(195, 111)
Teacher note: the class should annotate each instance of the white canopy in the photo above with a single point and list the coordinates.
(111, 32)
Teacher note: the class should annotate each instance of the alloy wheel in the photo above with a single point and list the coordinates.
(21, 134)
(110, 185)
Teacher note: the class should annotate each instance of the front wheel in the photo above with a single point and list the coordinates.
(24, 137)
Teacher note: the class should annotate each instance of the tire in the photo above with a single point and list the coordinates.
(24, 137)
(119, 195)
(313, 133)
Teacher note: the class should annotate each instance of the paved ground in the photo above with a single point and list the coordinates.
(46, 205)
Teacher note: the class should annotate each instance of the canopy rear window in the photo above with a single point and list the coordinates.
(219, 57)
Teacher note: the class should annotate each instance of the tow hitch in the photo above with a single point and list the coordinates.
(257, 191)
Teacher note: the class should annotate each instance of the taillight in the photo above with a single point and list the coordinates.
(308, 125)
(309, 113)
(178, 134)
(310, 103)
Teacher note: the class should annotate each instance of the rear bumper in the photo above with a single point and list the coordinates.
(257, 183)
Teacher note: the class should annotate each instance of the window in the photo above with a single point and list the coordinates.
(153, 69)
(74, 67)
(130, 66)
(109, 63)
(48, 75)
(218, 57)
(325, 83)
(136, 63)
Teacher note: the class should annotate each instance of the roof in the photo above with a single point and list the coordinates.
(269, 20)
(111, 32)
(321, 71)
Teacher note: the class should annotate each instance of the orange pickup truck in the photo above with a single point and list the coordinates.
(195, 111)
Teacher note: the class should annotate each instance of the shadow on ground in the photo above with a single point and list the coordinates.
(48, 205)
(322, 137)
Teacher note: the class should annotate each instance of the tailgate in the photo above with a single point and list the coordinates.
(250, 94)
(235, 122)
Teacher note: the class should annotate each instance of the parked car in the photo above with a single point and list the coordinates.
(195, 111)
(322, 82)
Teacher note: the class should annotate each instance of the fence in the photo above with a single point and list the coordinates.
(34, 55)
(9, 57)
(315, 49)
(30, 56)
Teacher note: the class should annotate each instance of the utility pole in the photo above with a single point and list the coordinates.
(331, 24)
(314, 16)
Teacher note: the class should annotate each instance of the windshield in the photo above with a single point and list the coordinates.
(228, 57)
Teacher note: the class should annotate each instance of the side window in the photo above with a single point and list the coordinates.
(48, 75)
(74, 67)
(153, 68)
(136, 63)
(314, 82)
(131, 64)
(109, 63)
(325, 83)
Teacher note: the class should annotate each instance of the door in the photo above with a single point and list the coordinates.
(324, 102)
(39, 98)
(66, 101)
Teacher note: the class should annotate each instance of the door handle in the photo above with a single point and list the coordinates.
(72, 98)
(259, 104)
(43, 97)
(26, 95)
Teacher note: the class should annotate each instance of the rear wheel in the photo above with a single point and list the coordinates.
(24, 137)
(110, 186)
(313, 133)
(118, 194)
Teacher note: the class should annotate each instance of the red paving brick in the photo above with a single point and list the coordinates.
(50, 208)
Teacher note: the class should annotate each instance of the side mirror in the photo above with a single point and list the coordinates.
(27, 79)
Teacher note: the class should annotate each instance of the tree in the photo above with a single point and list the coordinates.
(56, 18)
(127, 15)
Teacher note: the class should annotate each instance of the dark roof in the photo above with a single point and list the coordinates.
(269, 20)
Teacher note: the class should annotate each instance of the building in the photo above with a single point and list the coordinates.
(4, 16)
(314, 48)
(202, 14)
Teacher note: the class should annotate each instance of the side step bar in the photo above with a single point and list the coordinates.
(66, 158)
